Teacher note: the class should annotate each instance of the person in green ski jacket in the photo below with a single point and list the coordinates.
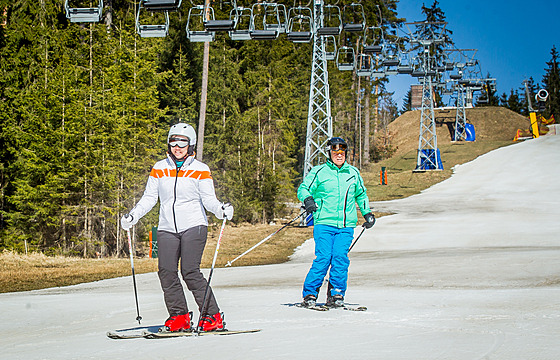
(330, 192)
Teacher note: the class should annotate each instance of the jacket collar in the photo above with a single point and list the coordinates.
(188, 161)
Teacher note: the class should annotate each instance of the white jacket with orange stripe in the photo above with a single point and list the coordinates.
(183, 195)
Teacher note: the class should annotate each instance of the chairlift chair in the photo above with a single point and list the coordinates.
(161, 5)
(365, 65)
(300, 24)
(373, 40)
(330, 47)
(271, 26)
(332, 21)
(214, 24)
(196, 32)
(353, 18)
(242, 28)
(346, 58)
(84, 15)
(379, 73)
(151, 30)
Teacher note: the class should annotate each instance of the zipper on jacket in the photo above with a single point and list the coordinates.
(175, 199)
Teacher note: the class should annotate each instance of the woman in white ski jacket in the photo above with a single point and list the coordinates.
(185, 189)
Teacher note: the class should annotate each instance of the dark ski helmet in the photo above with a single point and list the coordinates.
(337, 143)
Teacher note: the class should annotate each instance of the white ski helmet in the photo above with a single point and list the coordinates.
(184, 130)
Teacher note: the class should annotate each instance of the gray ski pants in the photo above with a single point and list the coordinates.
(187, 246)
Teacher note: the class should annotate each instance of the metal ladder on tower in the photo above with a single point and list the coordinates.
(319, 119)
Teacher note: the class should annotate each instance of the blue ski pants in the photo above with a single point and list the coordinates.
(331, 252)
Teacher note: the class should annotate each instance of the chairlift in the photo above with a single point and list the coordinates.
(151, 30)
(353, 18)
(418, 72)
(330, 47)
(379, 73)
(300, 24)
(196, 32)
(214, 24)
(365, 65)
(242, 28)
(161, 5)
(346, 58)
(404, 66)
(84, 15)
(332, 21)
(449, 65)
(373, 40)
(271, 21)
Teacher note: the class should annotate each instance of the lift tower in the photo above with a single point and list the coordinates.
(428, 156)
(319, 120)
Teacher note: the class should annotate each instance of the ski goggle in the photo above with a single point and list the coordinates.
(178, 142)
(339, 148)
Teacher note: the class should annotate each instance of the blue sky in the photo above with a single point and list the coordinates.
(513, 38)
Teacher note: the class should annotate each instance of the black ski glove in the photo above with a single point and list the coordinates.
(310, 205)
(370, 220)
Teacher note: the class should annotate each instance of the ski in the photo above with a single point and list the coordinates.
(348, 307)
(313, 307)
(325, 307)
(173, 334)
(119, 334)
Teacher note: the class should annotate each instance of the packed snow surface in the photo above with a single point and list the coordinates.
(468, 269)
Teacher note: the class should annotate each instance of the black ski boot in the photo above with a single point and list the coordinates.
(309, 301)
(335, 301)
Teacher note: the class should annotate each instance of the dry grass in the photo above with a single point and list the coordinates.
(37, 271)
(495, 127)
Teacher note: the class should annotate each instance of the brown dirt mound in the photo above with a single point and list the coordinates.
(490, 123)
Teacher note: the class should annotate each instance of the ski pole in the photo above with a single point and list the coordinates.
(138, 318)
(355, 241)
(202, 310)
(263, 240)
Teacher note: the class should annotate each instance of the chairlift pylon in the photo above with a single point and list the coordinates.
(84, 15)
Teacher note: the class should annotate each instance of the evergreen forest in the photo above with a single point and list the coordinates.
(85, 109)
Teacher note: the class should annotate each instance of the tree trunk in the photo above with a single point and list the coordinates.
(203, 100)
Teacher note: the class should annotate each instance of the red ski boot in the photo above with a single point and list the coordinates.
(212, 323)
(178, 323)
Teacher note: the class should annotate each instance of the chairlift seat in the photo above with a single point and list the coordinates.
(335, 31)
(240, 35)
(373, 49)
(81, 15)
(449, 66)
(406, 70)
(455, 76)
(200, 36)
(300, 36)
(146, 31)
(390, 62)
(417, 73)
(431, 72)
(329, 55)
(363, 72)
(264, 34)
(353, 27)
(161, 5)
(378, 74)
(219, 25)
(345, 66)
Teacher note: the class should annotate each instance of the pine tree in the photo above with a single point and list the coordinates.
(551, 82)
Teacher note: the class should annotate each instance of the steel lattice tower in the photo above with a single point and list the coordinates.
(427, 141)
(461, 116)
(319, 120)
